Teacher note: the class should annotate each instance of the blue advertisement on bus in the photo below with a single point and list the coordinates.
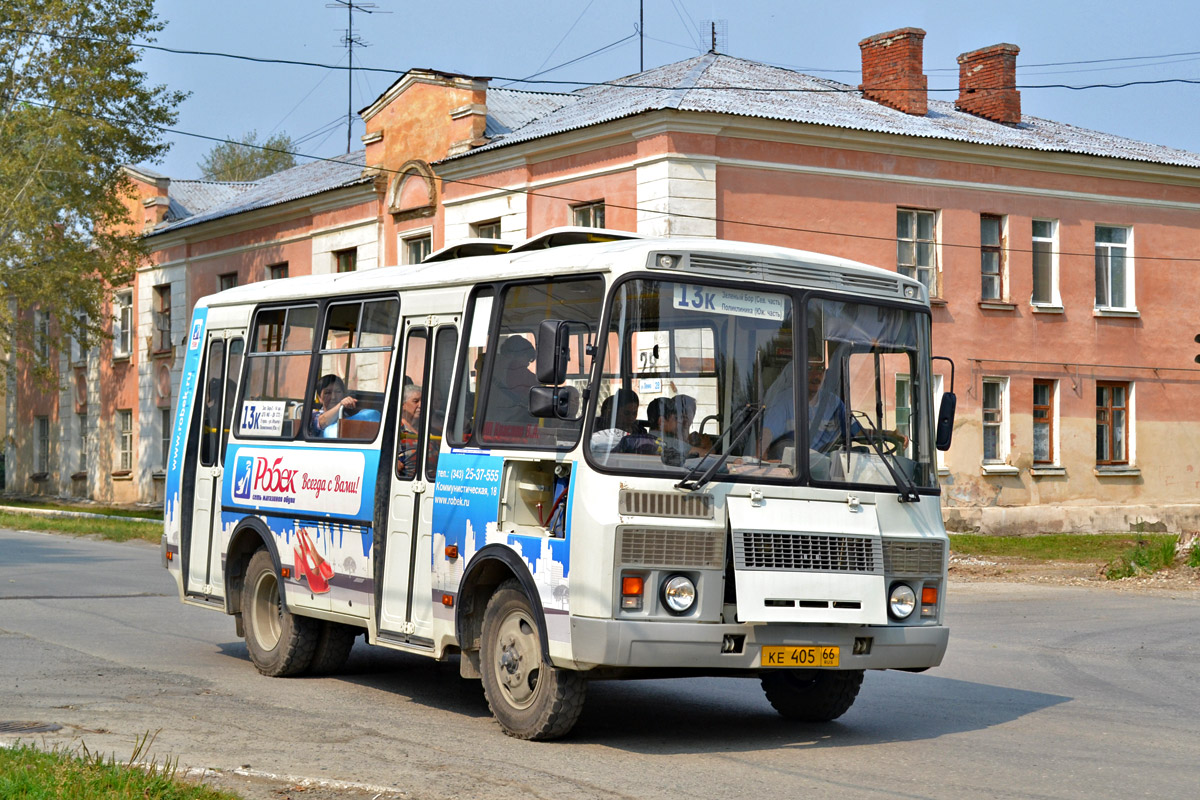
(172, 514)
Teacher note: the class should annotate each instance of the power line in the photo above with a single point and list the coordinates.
(617, 85)
(549, 196)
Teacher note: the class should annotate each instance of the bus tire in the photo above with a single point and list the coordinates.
(280, 643)
(812, 695)
(334, 642)
(530, 698)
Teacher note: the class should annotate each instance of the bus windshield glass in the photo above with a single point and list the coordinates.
(694, 374)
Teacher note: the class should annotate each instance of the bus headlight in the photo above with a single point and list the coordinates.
(902, 600)
(678, 594)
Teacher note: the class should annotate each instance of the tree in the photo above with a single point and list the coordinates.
(74, 108)
(246, 159)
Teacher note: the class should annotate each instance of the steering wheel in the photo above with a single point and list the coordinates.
(889, 442)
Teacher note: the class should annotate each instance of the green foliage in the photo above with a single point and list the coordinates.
(90, 508)
(74, 108)
(247, 159)
(1148, 555)
(116, 529)
(1081, 547)
(27, 773)
(1193, 558)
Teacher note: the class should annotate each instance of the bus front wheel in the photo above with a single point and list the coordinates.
(812, 695)
(530, 698)
(280, 643)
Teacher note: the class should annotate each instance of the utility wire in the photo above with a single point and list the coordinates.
(614, 84)
(549, 196)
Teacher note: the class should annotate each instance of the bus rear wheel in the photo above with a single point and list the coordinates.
(280, 643)
(812, 695)
(530, 698)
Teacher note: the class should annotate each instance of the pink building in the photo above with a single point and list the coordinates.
(1053, 253)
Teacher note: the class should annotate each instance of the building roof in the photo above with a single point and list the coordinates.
(722, 84)
(194, 202)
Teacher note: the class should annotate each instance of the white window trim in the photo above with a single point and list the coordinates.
(1005, 280)
(936, 291)
(1055, 304)
(402, 239)
(123, 300)
(999, 465)
(475, 226)
(120, 431)
(1130, 307)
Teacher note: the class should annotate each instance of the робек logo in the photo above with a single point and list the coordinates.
(197, 334)
(243, 472)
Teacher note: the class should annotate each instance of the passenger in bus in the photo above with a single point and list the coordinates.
(662, 420)
(617, 421)
(336, 405)
(410, 418)
(510, 397)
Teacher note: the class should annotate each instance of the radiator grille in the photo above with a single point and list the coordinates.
(792, 272)
(664, 547)
(913, 556)
(665, 504)
(807, 552)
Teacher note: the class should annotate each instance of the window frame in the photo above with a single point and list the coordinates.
(162, 317)
(226, 281)
(123, 324)
(41, 445)
(124, 431)
(997, 249)
(345, 260)
(585, 215)
(934, 267)
(1055, 299)
(249, 354)
(82, 420)
(1127, 428)
(1051, 420)
(277, 272)
(483, 230)
(410, 238)
(1108, 248)
(1000, 424)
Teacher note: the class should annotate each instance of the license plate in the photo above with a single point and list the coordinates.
(819, 656)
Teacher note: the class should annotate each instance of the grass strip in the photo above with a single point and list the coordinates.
(116, 529)
(27, 773)
(1099, 548)
(1142, 559)
(90, 508)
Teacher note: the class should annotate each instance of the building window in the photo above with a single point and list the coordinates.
(1044, 421)
(486, 230)
(916, 246)
(79, 353)
(83, 441)
(41, 334)
(41, 445)
(903, 406)
(589, 215)
(1045, 263)
(162, 317)
(164, 415)
(277, 272)
(991, 257)
(227, 281)
(995, 420)
(122, 324)
(125, 440)
(1114, 270)
(1112, 422)
(416, 248)
(346, 260)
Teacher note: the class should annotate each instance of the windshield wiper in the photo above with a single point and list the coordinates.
(692, 483)
(874, 437)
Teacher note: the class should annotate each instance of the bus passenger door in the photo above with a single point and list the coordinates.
(203, 553)
(406, 598)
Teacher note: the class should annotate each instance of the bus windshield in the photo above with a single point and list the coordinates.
(695, 373)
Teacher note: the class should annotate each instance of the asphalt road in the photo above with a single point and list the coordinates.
(1059, 692)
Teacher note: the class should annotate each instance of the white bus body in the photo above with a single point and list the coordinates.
(547, 550)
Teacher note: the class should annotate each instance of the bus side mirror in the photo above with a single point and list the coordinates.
(560, 402)
(553, 351)
(945, 422)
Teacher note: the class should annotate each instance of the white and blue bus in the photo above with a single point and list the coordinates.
(595, 456)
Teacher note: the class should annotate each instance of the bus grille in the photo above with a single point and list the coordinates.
(664, 504)
(666, 547)
(808, 552)
(913, 556)
(792, 272)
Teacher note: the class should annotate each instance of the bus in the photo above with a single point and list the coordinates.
(594, 456)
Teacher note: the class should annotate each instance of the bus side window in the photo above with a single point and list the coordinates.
(232, 372)
(356, 357)
(210, 436)
(470, 372)
(277, 367)
(412, 395)
(445, 345)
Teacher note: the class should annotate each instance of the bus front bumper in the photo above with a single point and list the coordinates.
(639, 644)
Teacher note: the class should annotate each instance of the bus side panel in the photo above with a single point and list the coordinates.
(174, 509)
(465, 512)
(318, 504)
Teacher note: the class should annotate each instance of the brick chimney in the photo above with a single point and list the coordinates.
(987, 78)
(892, 70)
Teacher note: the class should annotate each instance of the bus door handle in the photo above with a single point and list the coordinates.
(418, 487)
(216, 472)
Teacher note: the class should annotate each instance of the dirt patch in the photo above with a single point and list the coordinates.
(1011, 569)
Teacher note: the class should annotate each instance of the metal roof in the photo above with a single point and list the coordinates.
(510, 109)
(722, 84)
(226, 199)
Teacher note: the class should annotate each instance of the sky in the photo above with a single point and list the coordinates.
(509, 40)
